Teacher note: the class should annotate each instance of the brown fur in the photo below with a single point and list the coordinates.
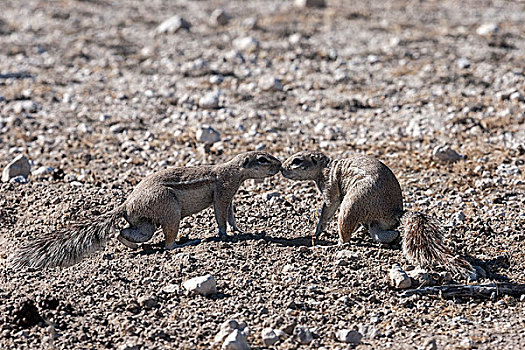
(161, 199)
(369, 194)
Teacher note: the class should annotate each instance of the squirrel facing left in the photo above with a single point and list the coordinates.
(368, 193)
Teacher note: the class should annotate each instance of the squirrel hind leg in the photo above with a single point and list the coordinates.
(349, 217)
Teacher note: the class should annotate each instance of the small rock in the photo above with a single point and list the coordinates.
(246, 44)
(203, 285)
(173, 25)
(522, 298)
(295, 38)
(70, 178)
(303, 335)
(209, 101)
(466, 343)
(147, 302)
(346, 254)
(225, 330)
(250, 23)
(269, 337)
(288, 268)
(235, 341)
(463, 63)
(170, 288)
(516, 97)
(349, 336)
(269, 83)
(216, 79)
(18, 167)
(219, 17)
(310, 3)
(116, 128)
(422, 277)
(25, 106)
(399, 278)
(445, 154)
(487, 29)
(207, 135)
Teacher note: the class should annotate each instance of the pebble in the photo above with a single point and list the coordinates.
(116, 128)
(17, 167)
(295, 38)
(421, 277)
(248, 44)
(445, 154)
(210, 100)
(173, 25)
(466, 343)
(303, 335)
(349, 336)
(170, 288)
(207, 135)
(25, 106)
(216, 79)
(250, 23)
(147, 302)
(235, 341)
(203, 285)
(225, 329)
(232, 335)
(310, 3)
(399, 278)
(270, 83)
(219, 17)
(271, 336)
(463, 63)
(346, 254)
(487, 29)
(516, 97)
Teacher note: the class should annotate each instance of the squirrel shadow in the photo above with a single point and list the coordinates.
(305, 241)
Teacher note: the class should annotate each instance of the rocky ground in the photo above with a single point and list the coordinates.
(97, 95)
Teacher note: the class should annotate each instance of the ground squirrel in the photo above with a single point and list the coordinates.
(161, 199)
(369, 194)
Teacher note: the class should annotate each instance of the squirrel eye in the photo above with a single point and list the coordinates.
(297, 161)
(263, 160)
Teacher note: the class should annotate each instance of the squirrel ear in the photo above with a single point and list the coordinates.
(321, 158)
(246, 162)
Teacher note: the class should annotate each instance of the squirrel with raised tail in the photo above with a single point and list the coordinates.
(369, 194)
(161, 199)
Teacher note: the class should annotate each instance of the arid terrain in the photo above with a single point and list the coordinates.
(97, 94)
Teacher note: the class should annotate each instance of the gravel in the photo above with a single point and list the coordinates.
(91, 91)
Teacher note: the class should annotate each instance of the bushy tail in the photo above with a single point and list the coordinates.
(423, 244)
(68, 248)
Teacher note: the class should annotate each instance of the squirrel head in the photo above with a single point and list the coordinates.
(304, 165)
(257, 165)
